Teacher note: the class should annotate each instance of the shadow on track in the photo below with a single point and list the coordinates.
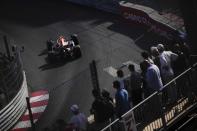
(52, 64)
(43, 52)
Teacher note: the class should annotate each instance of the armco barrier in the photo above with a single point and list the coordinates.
(11, 113)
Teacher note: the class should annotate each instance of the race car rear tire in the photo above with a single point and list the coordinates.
(77, 52)
(49, 45)
(51, 56)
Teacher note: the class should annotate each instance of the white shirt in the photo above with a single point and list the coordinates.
(166, 58)
(153, 78)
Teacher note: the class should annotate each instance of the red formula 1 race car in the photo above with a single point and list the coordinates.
(63, 49)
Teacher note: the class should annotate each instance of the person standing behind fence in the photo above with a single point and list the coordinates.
(181, 63)
(143, 67)
(106, 95)
(135, 84)
(179, 66)
(166, 59)
(153, 78)
(147, 57)
(186, 50)
(155, 54)
(167, 73)
(120, 75)
(101, 111)
(122, 99)
(109, 103)
(78, 119)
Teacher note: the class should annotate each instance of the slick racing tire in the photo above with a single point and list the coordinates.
(51, 56)
(77, 52)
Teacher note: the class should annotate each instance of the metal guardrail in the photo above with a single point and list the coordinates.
(11, 113)
(161, 109)
(14, 87)
(11, 76)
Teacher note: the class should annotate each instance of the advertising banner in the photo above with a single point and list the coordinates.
(129, 122)
(142, 18)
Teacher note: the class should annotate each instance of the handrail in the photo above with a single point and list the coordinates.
(130, 110)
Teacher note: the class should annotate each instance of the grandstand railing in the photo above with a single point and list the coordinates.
(162, 108)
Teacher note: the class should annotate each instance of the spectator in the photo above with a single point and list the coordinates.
(166, 59)
(155, 54)
(122, 100)
(179, 66)
(101, 111)
(147, 57)
(143, 74)
(121, 79)
(109, 103)
(106, 95)
(78, 119)
(153, 78)
(143, 67)
(98, 108)
(135, 88)
(185, 49)
(181, 63)
(167, 73)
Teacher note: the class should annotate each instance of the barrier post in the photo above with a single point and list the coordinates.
(94, 75)
(30, 113)
(4, 87)
(7, 47)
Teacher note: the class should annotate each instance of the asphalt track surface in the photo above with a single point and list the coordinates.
(104, 37)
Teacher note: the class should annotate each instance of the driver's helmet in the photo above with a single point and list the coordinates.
(61, 40)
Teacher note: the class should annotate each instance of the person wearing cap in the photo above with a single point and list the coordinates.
(78, 120)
